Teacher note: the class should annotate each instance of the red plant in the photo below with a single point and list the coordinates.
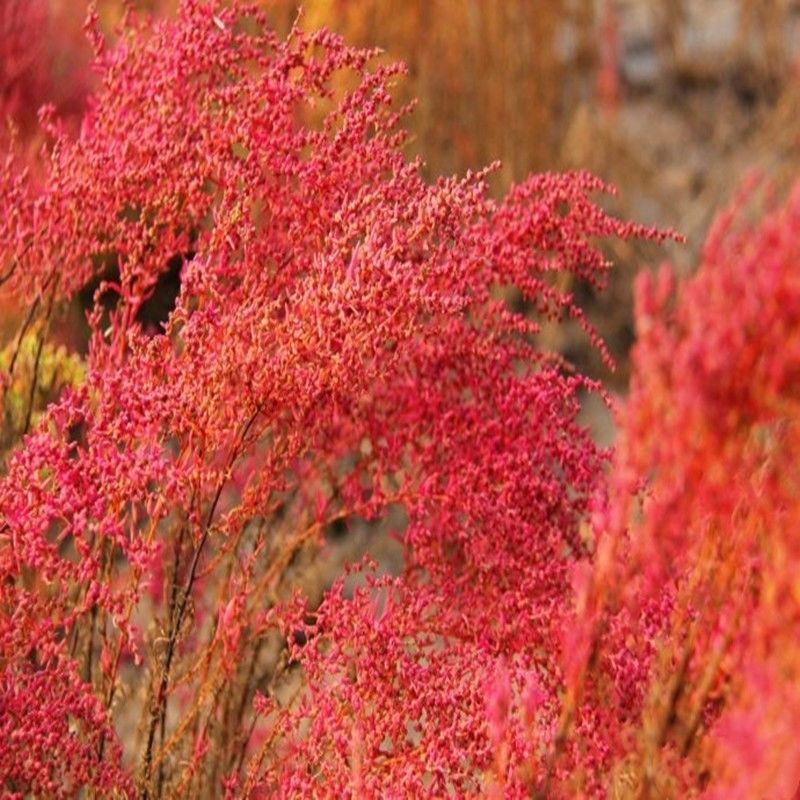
(339, 353)
(336, 348)
(44, 59)
(700, 528)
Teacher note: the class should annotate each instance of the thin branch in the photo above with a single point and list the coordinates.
(161, 697)
(21, 335)
(15, 263)
(34, 384)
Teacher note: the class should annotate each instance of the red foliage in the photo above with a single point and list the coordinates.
(339, 347)
(43, 60)
(704, 494)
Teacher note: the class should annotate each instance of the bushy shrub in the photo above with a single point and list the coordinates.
(705, 503)
(340, 353)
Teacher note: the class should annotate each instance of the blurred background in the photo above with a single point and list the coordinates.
(673, 101)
